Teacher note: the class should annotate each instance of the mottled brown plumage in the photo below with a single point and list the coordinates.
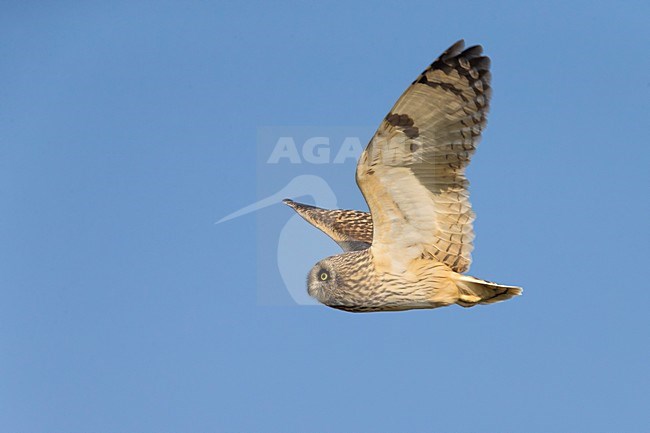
(351, 229)
(412, 177)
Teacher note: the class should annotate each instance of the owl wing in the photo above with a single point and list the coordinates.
(351, 229)
(412, 173)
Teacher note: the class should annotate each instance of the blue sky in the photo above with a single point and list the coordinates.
(129, 128)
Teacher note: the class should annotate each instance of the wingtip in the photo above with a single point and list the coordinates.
(455, 49)
(299, 207)
(472, 52)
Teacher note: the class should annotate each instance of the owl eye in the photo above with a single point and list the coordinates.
(324, 276)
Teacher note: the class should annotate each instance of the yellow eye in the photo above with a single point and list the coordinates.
(324, 276)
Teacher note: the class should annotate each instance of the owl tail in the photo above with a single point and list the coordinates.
(473, 291)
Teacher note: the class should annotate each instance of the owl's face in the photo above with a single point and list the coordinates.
(335, 281)
(322, 282)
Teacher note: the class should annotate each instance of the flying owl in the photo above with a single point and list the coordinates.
(413, 248)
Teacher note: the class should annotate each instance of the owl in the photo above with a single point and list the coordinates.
(414, 247)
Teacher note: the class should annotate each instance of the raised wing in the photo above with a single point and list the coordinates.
(351, 229)
(412, 172)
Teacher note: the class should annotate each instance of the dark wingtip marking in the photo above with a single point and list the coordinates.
(454, 50)
(470, 63)
(445, 86)
(472, 52)
(481, 63)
